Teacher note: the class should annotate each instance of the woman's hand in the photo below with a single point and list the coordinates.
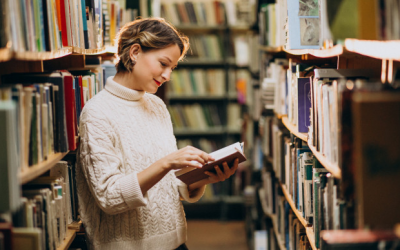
(186, 157)
(222, 175)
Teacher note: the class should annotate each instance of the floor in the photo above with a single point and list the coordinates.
(216, 235)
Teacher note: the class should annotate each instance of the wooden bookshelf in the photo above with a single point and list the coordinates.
(336, 50)
(311, 237)
(39, 169)
(308, 227)
(293, 128)
(273, 219)
(5, 54)
(271, 49)
(388, 50)
(332, 168)
(39, 56)
(293, 206)
(69, 238)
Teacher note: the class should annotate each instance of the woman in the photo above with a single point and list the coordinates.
(128, 194)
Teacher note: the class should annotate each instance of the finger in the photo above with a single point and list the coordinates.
(198, 159)
(194, 164)
(211, 174)
(235, 166)
(204, 155)
(221, 175)
(227, 171)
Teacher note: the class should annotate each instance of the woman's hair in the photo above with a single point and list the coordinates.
(149, 33)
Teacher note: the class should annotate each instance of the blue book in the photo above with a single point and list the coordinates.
(303, 104)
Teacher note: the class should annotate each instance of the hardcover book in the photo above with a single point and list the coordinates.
(227, 154)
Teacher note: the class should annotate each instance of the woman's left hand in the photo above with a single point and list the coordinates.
(222, 175)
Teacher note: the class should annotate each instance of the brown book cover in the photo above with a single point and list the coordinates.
(228, 154)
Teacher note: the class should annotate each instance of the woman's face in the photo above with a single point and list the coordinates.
(154, 67)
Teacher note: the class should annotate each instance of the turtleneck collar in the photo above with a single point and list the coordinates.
(121, 91)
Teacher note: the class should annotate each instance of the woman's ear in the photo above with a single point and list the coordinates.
(134, 51)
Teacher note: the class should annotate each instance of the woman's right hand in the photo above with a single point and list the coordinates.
(187, 157)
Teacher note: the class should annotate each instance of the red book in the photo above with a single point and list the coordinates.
(70, 110)
(63, 28)
(81, 89)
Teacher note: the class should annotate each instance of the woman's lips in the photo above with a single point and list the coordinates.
(157, 82)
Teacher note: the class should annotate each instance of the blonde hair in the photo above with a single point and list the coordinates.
(149, 33)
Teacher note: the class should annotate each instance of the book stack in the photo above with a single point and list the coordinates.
(206, 47)
(208, 13)
(48, 25)
(197, 82)
(196, 116)
(47, 207)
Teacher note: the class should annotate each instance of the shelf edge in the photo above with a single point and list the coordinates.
(37, 170)
(293, 129)
(333, 169)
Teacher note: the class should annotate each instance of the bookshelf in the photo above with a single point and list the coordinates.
(332, 168)
(293, 128)
(37, 170)
(329, 141)
(261, 194)
(293, 206)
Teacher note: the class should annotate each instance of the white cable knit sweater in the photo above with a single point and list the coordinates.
(124, 131)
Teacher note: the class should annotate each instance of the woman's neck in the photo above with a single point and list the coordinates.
(126, 80)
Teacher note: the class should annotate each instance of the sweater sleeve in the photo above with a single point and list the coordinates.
(114, 190)
(192, 197)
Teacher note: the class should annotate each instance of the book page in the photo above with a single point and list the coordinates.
(227, 150)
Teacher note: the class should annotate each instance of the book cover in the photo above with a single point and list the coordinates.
(9, 160)
(60, 135)
(303, 24)
(304, 103)
(227, 154)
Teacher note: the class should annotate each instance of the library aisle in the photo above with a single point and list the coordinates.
(216, 235)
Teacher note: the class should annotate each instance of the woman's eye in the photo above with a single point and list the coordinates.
(163, 64)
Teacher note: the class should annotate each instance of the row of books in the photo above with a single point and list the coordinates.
(48, 25)
(285, 225)
(48, 108)
(206, 47)
(315, 24)
(203, 117)
(209, 13)
(47, 206)
(197, 82)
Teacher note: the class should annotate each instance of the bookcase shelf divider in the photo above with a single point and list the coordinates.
(293, 129)
(332, 168)
(37, 170)
(70, 236)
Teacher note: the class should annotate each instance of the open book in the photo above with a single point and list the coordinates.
(227, 154)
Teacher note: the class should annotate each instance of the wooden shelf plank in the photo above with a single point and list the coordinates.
(311, 237)
(389, 50)
(293, 206)
(37, 170)
(5, 54)
(332, 168)
(293, 129)
(336, 50)
(272, 217)
(39, 56)
(69, 238)
(271, 49)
